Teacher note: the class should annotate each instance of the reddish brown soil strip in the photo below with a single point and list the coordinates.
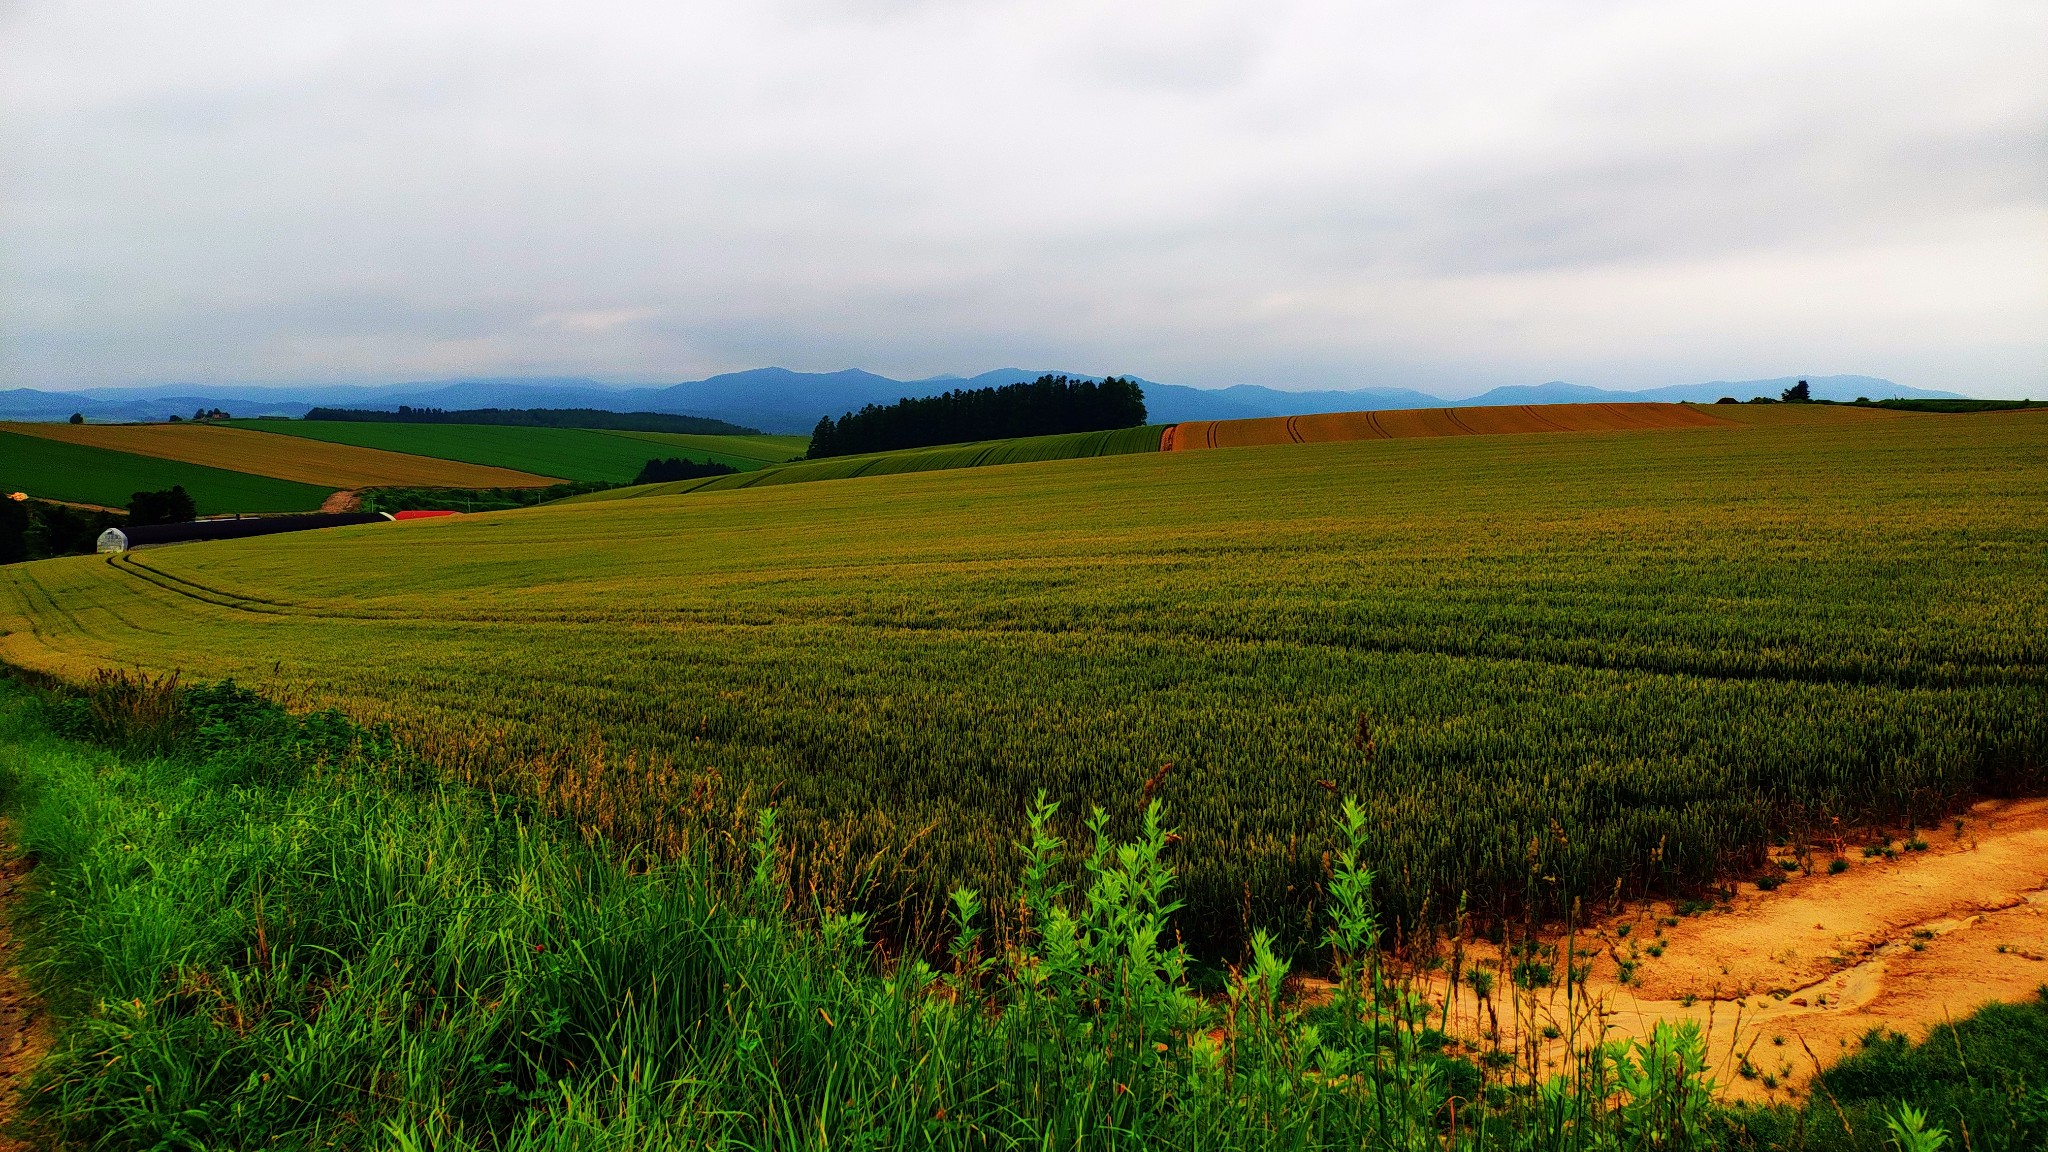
(24, 1032)
(1412, 422)
(345, 500)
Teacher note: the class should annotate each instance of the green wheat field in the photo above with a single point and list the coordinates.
(1614, 663)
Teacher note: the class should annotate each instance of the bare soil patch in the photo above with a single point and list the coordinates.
(1788, 981)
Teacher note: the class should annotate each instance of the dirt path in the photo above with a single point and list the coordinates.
(1789, 980)
(24, 1036)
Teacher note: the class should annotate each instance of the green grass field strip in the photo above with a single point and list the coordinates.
(1674, 647)
(87, 475)
(743, 452)
(566, 453)
(1028, 449)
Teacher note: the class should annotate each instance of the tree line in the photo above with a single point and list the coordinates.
(1046, 406)
(659, 471)
(32, 529)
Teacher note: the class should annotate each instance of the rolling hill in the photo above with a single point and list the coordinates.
(1675, 645)
(245, 449)
(82, 474)
(564, 453)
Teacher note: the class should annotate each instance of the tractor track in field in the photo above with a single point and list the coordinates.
(236, 602)
(192, 590)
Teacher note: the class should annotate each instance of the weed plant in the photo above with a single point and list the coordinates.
(273, 934)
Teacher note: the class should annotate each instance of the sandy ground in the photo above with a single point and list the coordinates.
(1790, 980)
(340, 501)
(24, 1035)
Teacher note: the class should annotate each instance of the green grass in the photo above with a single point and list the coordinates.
(1985, 1074)
(1550, 665)
(258, 931)
(1028, 449)
(55, 470)
(567, 453)
(738, 451)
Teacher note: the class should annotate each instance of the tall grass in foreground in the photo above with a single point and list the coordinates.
(274, 936)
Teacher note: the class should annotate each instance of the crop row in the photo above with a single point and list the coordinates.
(1575, 668)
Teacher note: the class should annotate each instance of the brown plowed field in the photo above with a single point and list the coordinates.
(283, 457)
(1410, 422)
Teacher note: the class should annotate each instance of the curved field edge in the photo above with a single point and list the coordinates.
(565, 453)
(742, 452)
(1320, 428)
(1022, 450)
(1551, 667)
(308, 462)
(79, 473)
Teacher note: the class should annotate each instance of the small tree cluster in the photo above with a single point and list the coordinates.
(677, 468)
(1047, 406)
(14, 525)
(173, 505)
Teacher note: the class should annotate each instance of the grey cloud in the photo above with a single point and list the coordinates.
(1306, 193)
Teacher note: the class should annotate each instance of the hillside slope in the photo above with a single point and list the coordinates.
(563, 453)
(1022, 450)
(82, 474)
(246, 450)
(1675, 646)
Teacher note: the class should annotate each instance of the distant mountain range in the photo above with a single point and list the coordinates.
(779, 400)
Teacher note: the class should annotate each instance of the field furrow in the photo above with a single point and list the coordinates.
(1550, 665)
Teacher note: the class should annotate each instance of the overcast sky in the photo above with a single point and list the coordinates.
(1446, 195)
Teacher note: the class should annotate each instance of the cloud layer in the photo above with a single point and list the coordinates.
(1312, 194)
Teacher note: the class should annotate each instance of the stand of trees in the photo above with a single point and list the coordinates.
(173, 505)
(471, 499)
(676, 468)
(542, 418)
(1047, 406)
(36, 529)
(14, 526)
